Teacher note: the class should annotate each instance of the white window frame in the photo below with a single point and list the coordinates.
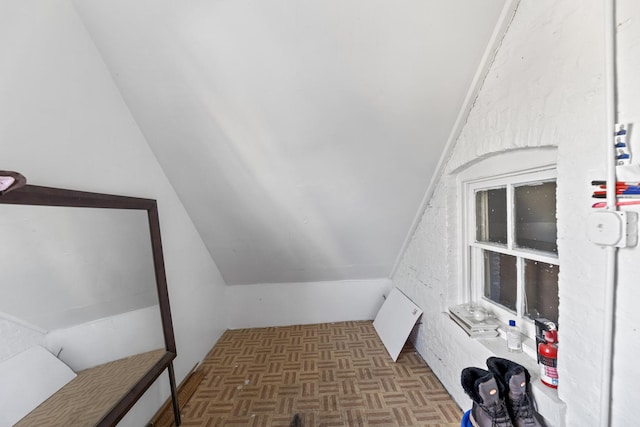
(535, 166)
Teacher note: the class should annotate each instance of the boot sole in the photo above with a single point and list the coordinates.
(474, 423)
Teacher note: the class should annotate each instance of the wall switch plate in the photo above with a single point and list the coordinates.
(613, 228)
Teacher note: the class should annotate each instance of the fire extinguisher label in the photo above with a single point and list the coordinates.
(549, 376)
(548, 371)
(548, 361)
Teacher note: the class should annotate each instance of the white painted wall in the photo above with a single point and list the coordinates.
(93, 343)
(63, 123)
(16, 337)
(93, 264)
(545, 87)
(304, 120)
(282, 304)
(625, 392)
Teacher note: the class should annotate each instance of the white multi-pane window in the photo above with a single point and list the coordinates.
(511, 232)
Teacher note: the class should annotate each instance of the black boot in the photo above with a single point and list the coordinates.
(489, 408)
(296, 421)
(516, 380)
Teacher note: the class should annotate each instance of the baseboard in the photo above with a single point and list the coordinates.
(188, 386)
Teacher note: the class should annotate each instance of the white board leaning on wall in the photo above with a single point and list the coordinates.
(395, 320)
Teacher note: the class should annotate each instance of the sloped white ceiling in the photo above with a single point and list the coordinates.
(301, 135)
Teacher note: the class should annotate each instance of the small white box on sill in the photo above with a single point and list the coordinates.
(464, 316)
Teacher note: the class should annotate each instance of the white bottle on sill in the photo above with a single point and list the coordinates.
(514, 338)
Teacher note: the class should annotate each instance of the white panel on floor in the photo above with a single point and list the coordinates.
(28, 379)
(394, 321)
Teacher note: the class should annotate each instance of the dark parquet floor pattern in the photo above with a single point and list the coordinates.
(332, 374)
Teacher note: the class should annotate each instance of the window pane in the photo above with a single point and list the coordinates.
(535, 217)
(500, 281)
(491, 215)
(541, 287)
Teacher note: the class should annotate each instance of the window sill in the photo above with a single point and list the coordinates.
(546, 398)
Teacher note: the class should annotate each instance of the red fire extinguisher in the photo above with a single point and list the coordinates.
(548, 359)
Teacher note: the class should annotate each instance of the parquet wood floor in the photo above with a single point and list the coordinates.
(333, 375)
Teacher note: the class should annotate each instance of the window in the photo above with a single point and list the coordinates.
(512, 255)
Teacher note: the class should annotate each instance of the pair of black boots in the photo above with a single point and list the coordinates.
(501, 396)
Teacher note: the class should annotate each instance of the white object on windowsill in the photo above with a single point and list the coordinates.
(514, 338)
(476, 321)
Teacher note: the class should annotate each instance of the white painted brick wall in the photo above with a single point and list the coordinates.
(626, 394)
(545, 87)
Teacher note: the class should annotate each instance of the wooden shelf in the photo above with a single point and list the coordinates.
(86, 398)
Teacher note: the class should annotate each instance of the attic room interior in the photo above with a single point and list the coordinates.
(303, 162)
